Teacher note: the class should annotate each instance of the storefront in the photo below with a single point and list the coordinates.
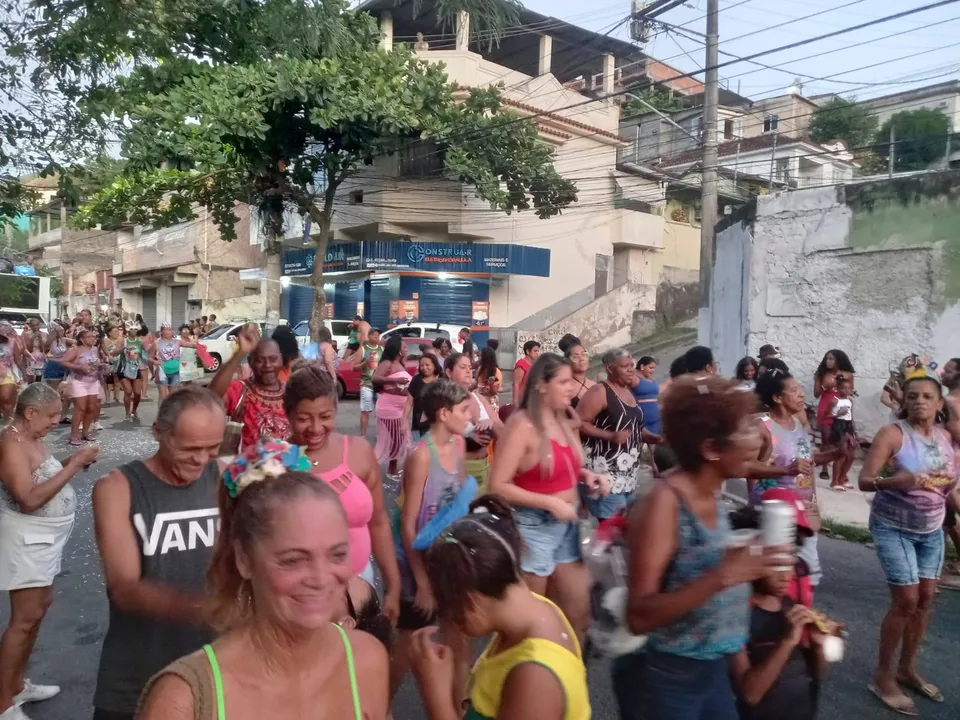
(394, 281)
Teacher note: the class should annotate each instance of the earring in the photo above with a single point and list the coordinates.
(245, 596)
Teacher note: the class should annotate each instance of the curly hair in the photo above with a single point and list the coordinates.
(843, 363)
(308, 381)
(700, 409)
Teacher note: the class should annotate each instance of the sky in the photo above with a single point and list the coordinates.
(917, 50)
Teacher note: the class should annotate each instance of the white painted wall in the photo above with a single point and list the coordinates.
(809, 290)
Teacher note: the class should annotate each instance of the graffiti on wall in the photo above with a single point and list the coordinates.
(548, 338)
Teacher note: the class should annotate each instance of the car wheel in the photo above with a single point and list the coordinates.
(341, 389)
(217, 362)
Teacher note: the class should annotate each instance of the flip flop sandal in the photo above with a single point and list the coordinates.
(903, 706)
(929, 691)
(76, 443)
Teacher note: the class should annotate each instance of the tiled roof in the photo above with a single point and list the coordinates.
(566, 121)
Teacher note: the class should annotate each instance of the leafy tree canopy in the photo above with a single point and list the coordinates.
(920, 135)
(219, 106)
(843, 119)
(660, 99)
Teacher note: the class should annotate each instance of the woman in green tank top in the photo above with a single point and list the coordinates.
(278, 577)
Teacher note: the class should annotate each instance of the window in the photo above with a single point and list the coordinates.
(783, 170)
(340, 327)
(407, 332)
(728, 131)
(421, 159)
(301, 329)
(356, 197)
(432, 335)
(601, 275)
(771, 123)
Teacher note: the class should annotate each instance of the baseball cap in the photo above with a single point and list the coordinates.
(790, 497)
(769, 351)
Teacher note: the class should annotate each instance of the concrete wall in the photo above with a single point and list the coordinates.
(613, 320)
(794, 112)
(872, 269)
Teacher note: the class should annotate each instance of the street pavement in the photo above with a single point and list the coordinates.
(853, 591)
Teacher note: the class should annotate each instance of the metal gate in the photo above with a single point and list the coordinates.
(149, 308)
(447, 301)
(344, 300)
(301, 303)
(179, 294)
(378, 304)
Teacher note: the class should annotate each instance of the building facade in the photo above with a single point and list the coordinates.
(481, 267)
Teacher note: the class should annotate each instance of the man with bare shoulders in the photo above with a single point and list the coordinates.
(156, 521)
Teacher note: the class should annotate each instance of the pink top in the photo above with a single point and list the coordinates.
(357, 504)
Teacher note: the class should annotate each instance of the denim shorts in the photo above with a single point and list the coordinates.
(170, 380)
(608, 506)
(52, 370)
(547, 541)
(907, 557)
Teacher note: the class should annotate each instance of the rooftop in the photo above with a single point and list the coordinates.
(746, 145)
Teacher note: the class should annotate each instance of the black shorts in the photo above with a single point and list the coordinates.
(99, 714)
(840, 429)
(412, 618)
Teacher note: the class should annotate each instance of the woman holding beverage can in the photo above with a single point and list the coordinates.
(689, 582)
(787, 456)
(912, 470)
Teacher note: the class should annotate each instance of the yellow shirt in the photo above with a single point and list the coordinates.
(490, 674)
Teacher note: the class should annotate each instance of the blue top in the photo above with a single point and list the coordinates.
(647, 393)
(719, 627)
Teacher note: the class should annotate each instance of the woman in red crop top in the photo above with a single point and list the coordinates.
(537, 469)
(349, 466)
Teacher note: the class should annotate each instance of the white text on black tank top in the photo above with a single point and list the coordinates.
(203, 526)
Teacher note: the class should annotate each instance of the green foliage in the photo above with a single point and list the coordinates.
(843, 119)
(660, 99)
(921, 138)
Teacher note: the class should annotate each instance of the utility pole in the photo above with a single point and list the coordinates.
(891, 153)
(708, 185)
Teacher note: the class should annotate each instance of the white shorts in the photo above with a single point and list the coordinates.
(31, 549)
(368, 400)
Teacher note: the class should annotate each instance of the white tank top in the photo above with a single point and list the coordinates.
(843, 410)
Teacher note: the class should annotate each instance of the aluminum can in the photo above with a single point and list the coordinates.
(778, 526)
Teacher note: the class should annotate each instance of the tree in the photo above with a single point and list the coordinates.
(920, 137)
(664, 101)
(280, 125)
(843, 119)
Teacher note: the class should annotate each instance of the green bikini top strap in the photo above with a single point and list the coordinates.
(217, 682)
(218, 679)
(358, 713)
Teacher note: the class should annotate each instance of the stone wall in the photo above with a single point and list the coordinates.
(872, 269)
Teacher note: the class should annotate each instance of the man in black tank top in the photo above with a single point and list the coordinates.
(156, 522)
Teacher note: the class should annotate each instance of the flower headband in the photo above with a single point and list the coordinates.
(268, 460)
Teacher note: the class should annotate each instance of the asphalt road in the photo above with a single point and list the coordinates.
(69, 645)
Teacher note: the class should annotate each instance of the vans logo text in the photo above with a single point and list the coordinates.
(203, 526)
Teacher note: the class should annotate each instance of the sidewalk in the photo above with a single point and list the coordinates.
(851, 507)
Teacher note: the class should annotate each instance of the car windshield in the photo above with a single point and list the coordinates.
(301, 329)
(218, 332)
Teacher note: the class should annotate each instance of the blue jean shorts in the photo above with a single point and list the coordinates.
(171, 380)
(547, 541)
(607, 506)
(52, 370)
(907, 557)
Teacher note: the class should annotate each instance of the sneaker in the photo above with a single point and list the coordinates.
(15, 712)
(36, 693)
(96, 427)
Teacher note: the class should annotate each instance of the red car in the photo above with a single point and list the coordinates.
(349, 379)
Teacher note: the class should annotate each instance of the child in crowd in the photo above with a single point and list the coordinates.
(433, 476)
(35, 359)
(778, 674)
(842, 431)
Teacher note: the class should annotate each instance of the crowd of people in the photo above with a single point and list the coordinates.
(253, 564)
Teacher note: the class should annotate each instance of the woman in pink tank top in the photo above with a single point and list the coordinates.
(349, 466)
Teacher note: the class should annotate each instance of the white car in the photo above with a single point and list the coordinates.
(221, 342)
(340, 329)
(428, 332)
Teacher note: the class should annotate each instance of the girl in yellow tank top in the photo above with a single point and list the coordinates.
(532, 665)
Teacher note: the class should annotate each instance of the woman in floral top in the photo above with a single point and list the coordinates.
(613, 435)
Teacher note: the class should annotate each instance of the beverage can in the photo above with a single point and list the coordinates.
(778, 526)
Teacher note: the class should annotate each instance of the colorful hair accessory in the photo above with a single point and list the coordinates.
(268, 460)
(914, 367)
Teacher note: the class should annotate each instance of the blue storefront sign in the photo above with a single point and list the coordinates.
(399, 255)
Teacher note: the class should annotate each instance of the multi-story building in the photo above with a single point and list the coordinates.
(410, 240)
(181, 272)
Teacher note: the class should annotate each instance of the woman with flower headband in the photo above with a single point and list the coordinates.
(912, 469)
(532, 667)
(279, 575)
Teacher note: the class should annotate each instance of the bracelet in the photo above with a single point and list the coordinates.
(876, 484)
